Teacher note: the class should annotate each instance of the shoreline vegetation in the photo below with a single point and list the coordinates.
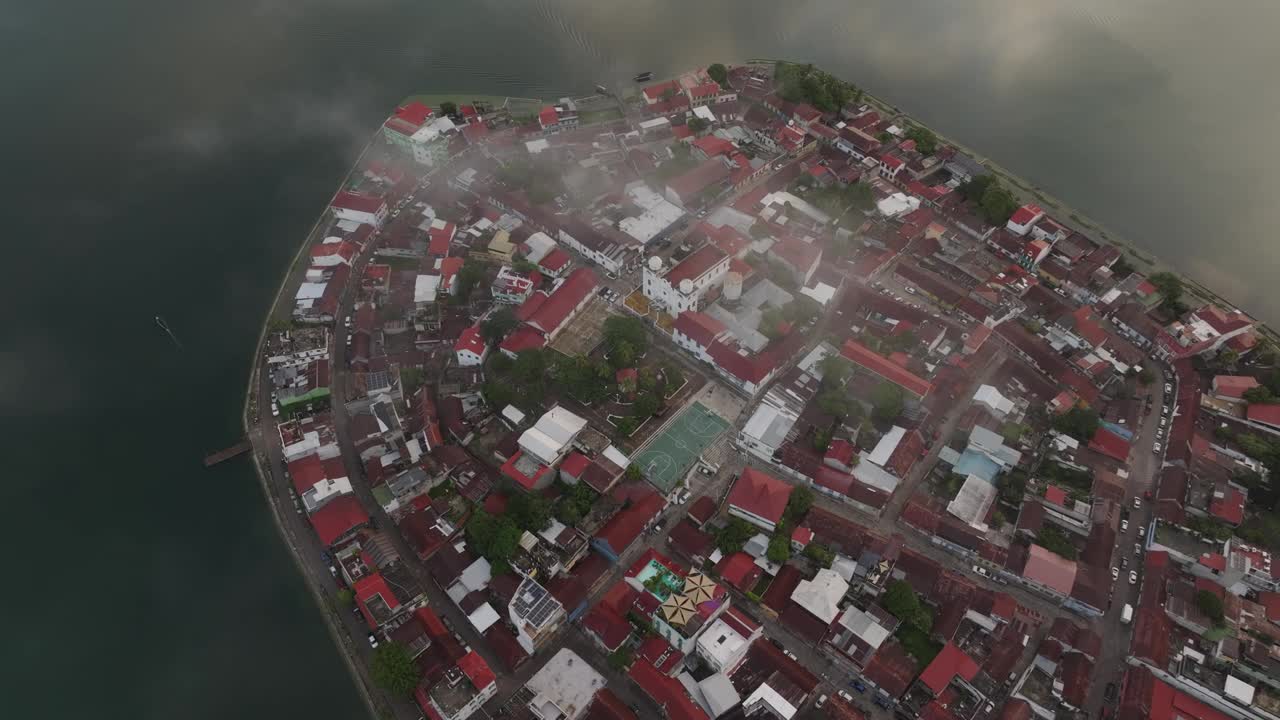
(1026, 191)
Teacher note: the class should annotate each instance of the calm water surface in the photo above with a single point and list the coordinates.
(165, 158)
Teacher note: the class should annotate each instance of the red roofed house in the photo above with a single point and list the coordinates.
(891, 165)
(555, 263)
(439, 237)
(691, 187)
(554, 118)
(1024, 218)
(800, 538)
(711, 146)
(338, 519)
(951, 662)
(703, 94)
(1228, 503)
(523, 338)
(790, 138)
(1231, 388)
(1265, 413)
(328, 254)
(661, 91)
(1110, 444)
(800, 257)
(740, 571)
(682, 287)
(1049, 570)
(759, 499)
(877, 364)
(626, 525)
(559, 307)
(359, 207)
(471, 348)
(1146, 697)
(406, 120)
(840, 455)
(695, 332)
(377, 603)
(667, 692)
(450, 698)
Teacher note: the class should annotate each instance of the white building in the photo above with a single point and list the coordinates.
(995, 403)
(724, 644)
(564, 688)
(535, 614)
(682, 287)
(426, 288)
(359, 208)
(430, 144)
(821, 596)
(471, 349)
(656, 213)
(550, 438)
(766, 430)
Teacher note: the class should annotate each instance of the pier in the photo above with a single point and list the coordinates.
(225, 454)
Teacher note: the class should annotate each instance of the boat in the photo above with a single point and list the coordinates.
(644, 77)
(602, 90)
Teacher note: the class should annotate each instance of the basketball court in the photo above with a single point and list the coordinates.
(667, 457)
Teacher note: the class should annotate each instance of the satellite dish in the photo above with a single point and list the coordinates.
(655, 263)
(686, 286)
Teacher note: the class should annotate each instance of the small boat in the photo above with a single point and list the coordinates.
(644, 77)
(602, 90)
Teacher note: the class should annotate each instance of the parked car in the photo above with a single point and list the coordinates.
(1115, 573)
(1124, 526)
(859, 685)
(844, 694)
(822, 700)
(373, 640)
(1137, 503)
(1133, 577)
(1137, 548)
(981, 571)
(1155, 448)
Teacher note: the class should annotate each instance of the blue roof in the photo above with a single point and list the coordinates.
(975, 463)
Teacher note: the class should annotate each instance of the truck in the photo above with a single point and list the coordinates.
(1126, 614)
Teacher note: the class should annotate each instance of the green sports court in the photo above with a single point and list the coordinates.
(668, 456)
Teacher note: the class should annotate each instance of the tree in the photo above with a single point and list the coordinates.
(798, 504)
(622, 355)
(345, 597)
(1211, 605)
(1122, 268)
(631, 330)
(471, 274)
(997, 205)
(819, 555)
(633, 473)
(973, 190)
(1168, 285)
(448, 108)
(529, 511)
(393, 669)
(697, 124)
(498, 324)
(1055, 541)
(410, 380)
(821, 439)
(497, 394)
(926, 140)
(1228, 357)
(626, 426)
(779, 547)
(837, 403)
(834, 368)
(734, 535)
(495, 538)
(1078, 422)
(901, 602)
(759, 231)
(672, 377)
(719, 73)
(620, 659)
(1259, 394)
(887, 402)
(646, 405)
(1013, 485)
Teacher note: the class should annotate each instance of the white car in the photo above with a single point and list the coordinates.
(1137, 503)
(1124, 526)
(844, 694)
(1115, 573)
(1137, 548)
(981, 571)
(373, 640)
(275, 410)
(1155, 448)
(1133, 577)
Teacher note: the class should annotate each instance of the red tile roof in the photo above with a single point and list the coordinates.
(306, 472)
(1230, 507)
(659, 89)
(699, 327)
(524, 338)
(1025, 214)
(667, 692)
(440, 238)
(841, 451)
(1271, 601)
(1214, 561)
(476, 670)
(555, 260)
(949, 663)
(1055, 495)
(760, 494)
(1048, 569)
(694, 181)
(575, 464)
(562, 302)
(625, 526)
(357, 202)
(713, 146)
(1110, 444)
(528, 482)
(1268, 413)
(778, 595)
(703, 509)
(548, 116)
(407, 119)
(739, 570)
(797, 253)
(891, 669)
(1233, 386)
(338, 517)
(470, 340)
(696, 265)
(882, 366)
(608, 706)
(373, 586)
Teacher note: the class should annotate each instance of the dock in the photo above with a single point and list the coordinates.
(225, 454)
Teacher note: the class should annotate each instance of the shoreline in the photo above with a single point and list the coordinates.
(1026, 191)
(264, 473)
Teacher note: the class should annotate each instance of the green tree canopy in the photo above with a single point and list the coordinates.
(529, 511)
(646, 405)
(1211, 605)
(633, 473)
(901, 602)
(887, 402)
(498, 324)
(1055, 541)
(622, 328)
(998, 205)
(779, 547)
(798, 504)
(697, 124)
(819, 554)
(719, 73)
(1078, 422)
(1168, 285)
(926, 140)
(734, 535)
(393, 670)
(495, 538)
(835, 368)
(448, 107)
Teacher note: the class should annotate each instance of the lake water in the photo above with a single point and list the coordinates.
(166, 158)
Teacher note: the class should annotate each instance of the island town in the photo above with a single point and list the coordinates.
(742, 395)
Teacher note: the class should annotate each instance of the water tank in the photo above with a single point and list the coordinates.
(686, 286)
(655, 263)
(733, 286)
